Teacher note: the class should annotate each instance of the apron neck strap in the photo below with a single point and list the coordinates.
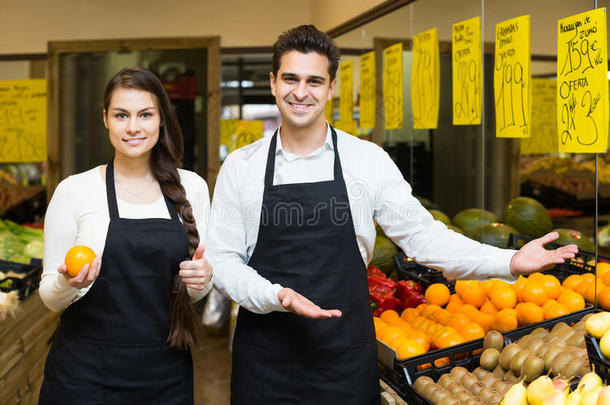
(270, 169)
(112, 201)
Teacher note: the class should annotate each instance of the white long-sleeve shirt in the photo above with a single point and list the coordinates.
(78, 215)
(376, 189)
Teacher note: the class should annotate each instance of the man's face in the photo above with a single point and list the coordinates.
(302, 88)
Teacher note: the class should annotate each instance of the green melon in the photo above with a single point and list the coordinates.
(603, 236)
(528, 217)
(495, 234)
(383, 254)
(472, 218)
(567, 236)
(440, 216)
(455, 229)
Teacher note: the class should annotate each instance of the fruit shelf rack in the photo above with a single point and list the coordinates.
(408, 269)
(597, 358)
(401, 374)
(20, 277)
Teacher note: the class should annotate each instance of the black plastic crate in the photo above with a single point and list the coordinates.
(26, 284)
(408, 269)
(597, 358)
(516, 334)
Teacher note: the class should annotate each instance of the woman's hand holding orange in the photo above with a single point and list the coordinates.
(85, 277)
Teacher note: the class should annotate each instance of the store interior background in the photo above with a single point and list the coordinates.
(455, 167)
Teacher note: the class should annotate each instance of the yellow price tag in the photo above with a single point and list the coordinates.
(367, 90)
(392, 86)
(425, 81)
(512, 77)
(23, 120)
(543, 136)
(248, 132)
(346, 97)
(467, 80)
(582, 83)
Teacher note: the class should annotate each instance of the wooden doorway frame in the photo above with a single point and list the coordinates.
(56, 48)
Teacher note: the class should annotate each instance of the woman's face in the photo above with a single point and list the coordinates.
(133, 120)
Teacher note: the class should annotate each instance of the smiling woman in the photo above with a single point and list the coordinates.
(132, 306)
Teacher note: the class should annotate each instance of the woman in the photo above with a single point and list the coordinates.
(128, 323)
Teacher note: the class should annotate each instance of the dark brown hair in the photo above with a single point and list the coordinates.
(166, 157)
(306, 39)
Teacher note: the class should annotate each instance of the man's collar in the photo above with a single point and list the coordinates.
(327, 143)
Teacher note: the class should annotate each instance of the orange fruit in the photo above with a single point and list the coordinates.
(590, 293)
(441, 316)
(420, 307)
(503, 298)
(602, 269)
(457, 321)
(518, 287)
(528, 313)
(448, 339)
(485, 320)
(462, 286)
(454, 305)
(77, 257)
(421, 338)
(485, 285)
(548, 303)
(535, 277)
(571, 300)
(437, 294)
(429, 310)
(605, 278)
(409, 348)
(408, 315)
(588, 277)
(534, 292)
(488, 308)
(572, 281)
(583, 287)
(392, 333)
(474, 296)
(471, 331)
(389, 316)
(468, 310)
(505, 320)
(555, 310)
(603, 298)
(551, 285)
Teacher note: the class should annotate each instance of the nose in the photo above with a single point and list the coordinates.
(133, 127)
(300, 91)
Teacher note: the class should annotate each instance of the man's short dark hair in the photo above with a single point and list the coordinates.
(306, 39)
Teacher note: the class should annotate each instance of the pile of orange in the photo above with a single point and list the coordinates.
(584, 285)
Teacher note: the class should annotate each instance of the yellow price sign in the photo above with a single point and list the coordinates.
(235, 134)
(543, 136)
(346, 97)
(23, 120)
(512, 78)
(368, 87)
(425, 80)
(582, 83)
(467, 80)
(392, 86)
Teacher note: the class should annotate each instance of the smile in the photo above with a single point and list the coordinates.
(134, 141)
(299, 107)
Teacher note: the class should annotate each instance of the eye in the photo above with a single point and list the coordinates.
(121, 115)
(146, 115)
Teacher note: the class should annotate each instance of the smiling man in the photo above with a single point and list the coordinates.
(292, 230)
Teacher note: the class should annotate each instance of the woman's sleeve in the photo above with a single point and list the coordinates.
(60, 230)
(199, 197)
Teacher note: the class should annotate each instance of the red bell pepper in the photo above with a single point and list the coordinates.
(404, 288)
(374, 271)
(382, 302)
(386, 282)
(413, 300)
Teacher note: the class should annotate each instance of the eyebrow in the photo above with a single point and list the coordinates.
(142, 110)
(313, 77)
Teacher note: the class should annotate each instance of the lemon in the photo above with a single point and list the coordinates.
(598, 324)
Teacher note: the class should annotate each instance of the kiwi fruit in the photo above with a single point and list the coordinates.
(489, 358)
(472, 401)
(558, 327)
(560, 361)
(577, 339)
(550, 355)
(445, 380)
(429, 389)
(421, 383)
(454, 388)
(476, 388)
(564, 334)
(449, 400)
(507, 354)
(510, 377)
(534, 344)
(468, 381)
(493, 340)
(458, 373)
(480, 372)
(495, 398)
(463, 396)
(499, 371)
(439, 395)
(500, 386)
(524, 340)
(489, 380)
(539, 332)
(532, 368)
(572, 368)
(517, 361)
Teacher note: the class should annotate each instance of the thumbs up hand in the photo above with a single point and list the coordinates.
(197, 272)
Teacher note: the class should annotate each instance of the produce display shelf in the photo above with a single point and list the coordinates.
(401, 374)
(597, 358)
(408, 269)
(28, 280)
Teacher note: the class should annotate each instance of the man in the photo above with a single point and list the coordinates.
(292, 217)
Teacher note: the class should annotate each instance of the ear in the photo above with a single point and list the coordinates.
(272, 83)
(331, 90)
(104, 117)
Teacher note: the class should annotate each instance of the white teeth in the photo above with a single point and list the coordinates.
(133, 142)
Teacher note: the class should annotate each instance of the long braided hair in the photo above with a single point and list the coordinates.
(166, 156)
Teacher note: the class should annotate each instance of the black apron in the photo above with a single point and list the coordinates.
(111, 344)
(306, 241)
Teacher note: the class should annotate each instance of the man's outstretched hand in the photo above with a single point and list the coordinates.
(295, 302)
(534, 257)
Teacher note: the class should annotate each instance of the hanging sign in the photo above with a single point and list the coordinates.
(235, 134)
(367, 90)
(392, 86)
(346, 97)
(467, 80)
(582, 83)
(23, 120)
(543, 134)
(425, 80)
